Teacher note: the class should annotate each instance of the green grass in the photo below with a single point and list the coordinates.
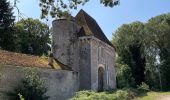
(125, 94)
(91, 95)
(153, 95)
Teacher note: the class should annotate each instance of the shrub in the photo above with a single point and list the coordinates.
(32, 88)
(121, 95)
(91, 95)
(143, 87)
(124, 76)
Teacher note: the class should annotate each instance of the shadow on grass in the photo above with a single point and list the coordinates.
(136, 92)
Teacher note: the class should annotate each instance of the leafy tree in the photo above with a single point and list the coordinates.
(145, 48)
(33, 36)
(124, 74)
(7, 36)
(61, 8)
(129, 45)
(158, 47)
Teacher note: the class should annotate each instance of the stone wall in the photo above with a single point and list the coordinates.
(102, 55)
(84, 63)
(64, 42)
(94, 53)
(61, 84)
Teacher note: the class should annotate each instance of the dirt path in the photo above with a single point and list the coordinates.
(167, 97)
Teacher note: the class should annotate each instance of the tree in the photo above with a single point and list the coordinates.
(124, 74)
(7, 36)
(145, 48)
(158, 47)
(33, 36)
(60, 8)
(128, 40)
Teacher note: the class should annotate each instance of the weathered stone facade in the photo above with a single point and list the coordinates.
(80, 45)
(61, 84)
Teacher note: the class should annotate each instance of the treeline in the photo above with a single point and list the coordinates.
(29, 36)
(143, 53)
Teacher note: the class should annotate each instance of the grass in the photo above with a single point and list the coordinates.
(154, 96)
(124, 94)
(91, 95)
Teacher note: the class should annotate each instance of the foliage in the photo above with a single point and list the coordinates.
(152, 76)
(128, 40)
(32, 88)
(7, 35)
(143, 87)
(20, 97)
(158, 48)
(124, 75)
(91, 95)
(33, 36)
(122, 95)
(145, 49)
(61, 8)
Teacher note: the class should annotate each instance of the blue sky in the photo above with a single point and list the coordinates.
(109, 19)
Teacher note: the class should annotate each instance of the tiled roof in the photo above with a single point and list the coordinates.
(90, 27)
(25, 60)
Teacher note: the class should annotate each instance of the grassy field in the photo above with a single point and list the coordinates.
(154, 96)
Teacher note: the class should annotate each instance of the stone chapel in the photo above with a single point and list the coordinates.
(81, 46)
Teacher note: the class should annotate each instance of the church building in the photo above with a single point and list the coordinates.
(81, 46)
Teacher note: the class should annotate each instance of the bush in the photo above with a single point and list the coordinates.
(32, 88)
(91, 95)
(124, 76)
(143, 87)
(121, 95)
